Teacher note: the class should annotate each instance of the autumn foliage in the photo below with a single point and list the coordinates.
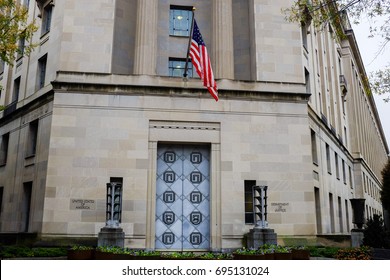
(15, 31)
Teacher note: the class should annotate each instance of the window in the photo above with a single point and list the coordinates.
(177, 67)
(336, 161)
(46, 18)
(307, 81)
(341, 228)
(32, 139)
(1, 199)
(345, 137)
(350, 177)
(304, 31)
(317, 203)
(347, 214)
(364, 182)
(4, 149)
(41, 72)
(16, 91)
(2, 64)
(344, 174)
(118, 180)
(21, 45)
(328, 159)
(26, 206)
(314, 147)
(180, 20)
(249, 211)
(331, 213)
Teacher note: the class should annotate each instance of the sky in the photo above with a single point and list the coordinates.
(369, 48)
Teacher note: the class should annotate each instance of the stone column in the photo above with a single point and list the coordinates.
(146, 37)
(222, 55)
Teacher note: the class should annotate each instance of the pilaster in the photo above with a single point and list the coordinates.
(146, 37)
(223, 39)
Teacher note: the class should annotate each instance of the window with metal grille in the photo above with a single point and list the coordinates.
(180, 19)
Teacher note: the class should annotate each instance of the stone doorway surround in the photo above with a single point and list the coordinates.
(182, 132)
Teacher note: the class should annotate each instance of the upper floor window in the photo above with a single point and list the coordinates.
(328, 166)
(16, 91)
(177, 67)
(41, 71)
(336, 163)
(46, 18)
(180, 19)
(304, 32)
(4, 149)
(32, 139)
(2, 65)
(314, 153)
(21, 46)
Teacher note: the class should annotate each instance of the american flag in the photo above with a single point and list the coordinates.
(201, 61)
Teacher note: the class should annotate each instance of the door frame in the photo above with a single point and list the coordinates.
(185, 133)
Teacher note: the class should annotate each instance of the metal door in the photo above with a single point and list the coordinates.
(183, 197)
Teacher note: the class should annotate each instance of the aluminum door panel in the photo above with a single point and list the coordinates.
(183, 197)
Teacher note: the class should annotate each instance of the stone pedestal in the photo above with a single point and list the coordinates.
(357, 236)
(260, 236)
(111, 237)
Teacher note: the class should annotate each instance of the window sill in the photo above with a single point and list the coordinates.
(44, 37)
(179, 36)
(29, 160)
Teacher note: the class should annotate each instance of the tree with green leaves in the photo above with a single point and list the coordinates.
(376, 12)
(385, 192)
(15, 31)
(374, 233)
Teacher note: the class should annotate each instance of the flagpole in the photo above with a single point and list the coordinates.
(189, 43)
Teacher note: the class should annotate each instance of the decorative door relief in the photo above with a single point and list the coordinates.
(183, 197)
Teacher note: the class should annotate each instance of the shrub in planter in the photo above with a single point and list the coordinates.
(147, 255)
(300, 253)
(362, 253)
(123, 254)
(253, 254)
(180, 255)
(79, 252)
(215, 256)
(282, 253)
(106, 252)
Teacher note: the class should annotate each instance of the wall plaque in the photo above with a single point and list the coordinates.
(82, 204)
(280, 207)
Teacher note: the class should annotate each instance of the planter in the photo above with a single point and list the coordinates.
(147, 257)
(81, 254)
(267, 256)
(300, 254)
(282, 256)
(99, 255)
(124, 257)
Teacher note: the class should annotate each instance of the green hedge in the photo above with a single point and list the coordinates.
(23, 252)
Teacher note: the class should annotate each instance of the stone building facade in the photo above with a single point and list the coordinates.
(101, 99)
